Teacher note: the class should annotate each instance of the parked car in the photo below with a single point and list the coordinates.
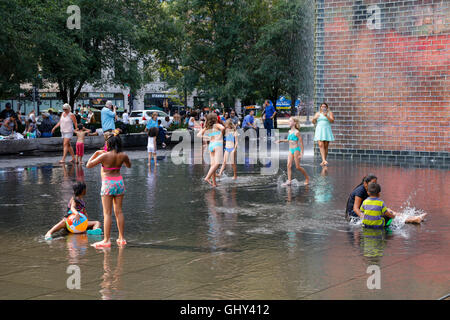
(142, 116)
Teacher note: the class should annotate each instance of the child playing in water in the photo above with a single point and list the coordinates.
(76, 205)
(376, 214)
(215, 133)
(81, 132)
(151, 145)
(231, 144)
(296, 150)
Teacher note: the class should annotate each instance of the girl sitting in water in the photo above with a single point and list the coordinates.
(76, 205)
(113, 189)
(231, 144)
(215, 133)
(296, 150)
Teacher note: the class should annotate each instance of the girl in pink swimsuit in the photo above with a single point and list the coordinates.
(113, 188)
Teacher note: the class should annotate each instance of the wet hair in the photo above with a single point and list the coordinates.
(78, 188)
(80, 127)
(159, 121)
(153, 132)
(374, 189)
(211, 120)
(323, 103)
(114, 143)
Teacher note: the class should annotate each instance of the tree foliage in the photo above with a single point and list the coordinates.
(223, 50)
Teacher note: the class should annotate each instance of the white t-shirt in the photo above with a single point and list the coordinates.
(32, 117)
(125, 118)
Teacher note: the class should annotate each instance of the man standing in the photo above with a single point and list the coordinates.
(108, 116)
(78, 115)
(269, 114)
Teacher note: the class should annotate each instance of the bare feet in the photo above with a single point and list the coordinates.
(287, 183)
(121, 242)
(208, 180)
(48, 236)
(101, 244)
(325, 163)
(421, 217)
(62, 161)
(322, 163)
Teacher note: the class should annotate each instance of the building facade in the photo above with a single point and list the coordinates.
(383, 68)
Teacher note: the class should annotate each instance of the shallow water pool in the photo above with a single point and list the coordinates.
(246, 239)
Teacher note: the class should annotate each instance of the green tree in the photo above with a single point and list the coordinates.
(107, 47)
(284, 51)
(208, 47)
(18, 61)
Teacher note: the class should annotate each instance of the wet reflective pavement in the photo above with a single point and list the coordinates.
(246, 239)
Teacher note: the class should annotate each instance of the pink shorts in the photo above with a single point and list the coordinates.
(80, 149)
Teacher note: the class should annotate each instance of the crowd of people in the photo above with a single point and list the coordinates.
(15, 125)
(220, 132)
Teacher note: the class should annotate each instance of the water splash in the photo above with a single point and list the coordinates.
(407, 212)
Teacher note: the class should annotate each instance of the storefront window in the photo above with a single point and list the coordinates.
(57, 105)
(45, 105)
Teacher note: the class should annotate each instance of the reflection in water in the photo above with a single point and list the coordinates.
(77, 245)
(111, 287)
(285, 242)
(79, 172)
(323, 190)
(373, 242)
(221, 220)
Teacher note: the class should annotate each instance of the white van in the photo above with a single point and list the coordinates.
(142, 116)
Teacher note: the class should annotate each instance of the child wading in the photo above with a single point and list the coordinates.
(215, 133)
(296, 150)
(81, 132)
(151, 145)
(76, 205)
(231, 144)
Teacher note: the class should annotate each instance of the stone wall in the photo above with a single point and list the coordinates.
(383, 68)
(55, 143)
